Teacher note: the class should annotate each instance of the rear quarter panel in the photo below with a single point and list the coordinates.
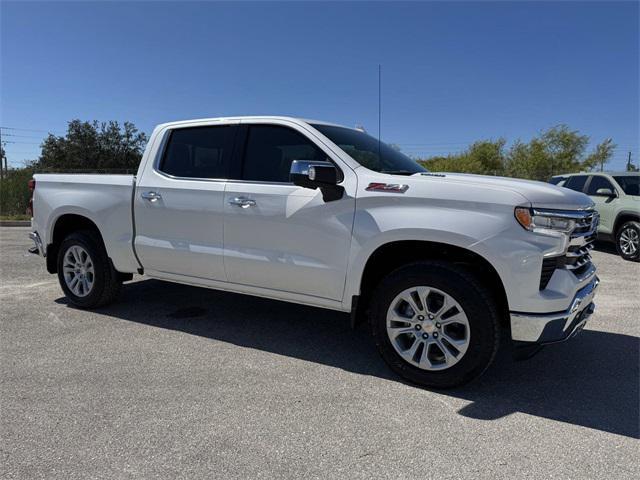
(103, 199)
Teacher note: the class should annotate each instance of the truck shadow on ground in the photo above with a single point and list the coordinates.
(591, 381)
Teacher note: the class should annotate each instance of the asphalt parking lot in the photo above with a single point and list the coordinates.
(182, 382)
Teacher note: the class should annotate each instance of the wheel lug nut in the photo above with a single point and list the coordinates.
(435, 334)
(430, 317)
(420, 317)
(418, 327)
(425, 335)
(437, 325)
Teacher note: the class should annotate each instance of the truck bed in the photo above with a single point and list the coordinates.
(103, 199)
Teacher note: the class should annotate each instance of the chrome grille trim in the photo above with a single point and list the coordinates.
(578, 255)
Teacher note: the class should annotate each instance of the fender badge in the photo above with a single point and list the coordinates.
(387, 187)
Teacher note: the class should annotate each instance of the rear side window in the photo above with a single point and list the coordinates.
(598, 182)
(576, 183)
(200, 152)
(270, 149)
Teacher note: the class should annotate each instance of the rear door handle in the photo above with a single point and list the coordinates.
(242, 202)
(151, 196)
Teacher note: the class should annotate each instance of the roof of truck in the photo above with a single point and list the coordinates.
(251, 117)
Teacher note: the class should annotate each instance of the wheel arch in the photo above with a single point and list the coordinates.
(392, 255)
(623, 217)
(64, 225)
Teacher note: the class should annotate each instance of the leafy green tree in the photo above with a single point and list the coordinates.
(93, 146)
(485, 157)
(14, 194)
(555, 151)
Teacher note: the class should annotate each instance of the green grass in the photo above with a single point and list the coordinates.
(15, 217)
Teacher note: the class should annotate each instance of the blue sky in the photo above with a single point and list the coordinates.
(452, 72)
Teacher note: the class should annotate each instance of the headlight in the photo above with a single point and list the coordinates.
(541, 221)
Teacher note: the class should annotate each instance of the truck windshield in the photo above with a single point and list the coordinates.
(629, 183)
(368, 152)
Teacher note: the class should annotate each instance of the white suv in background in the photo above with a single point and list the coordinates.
(617, 199)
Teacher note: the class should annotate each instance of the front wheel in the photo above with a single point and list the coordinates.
(85, 272)
(435, 324)
(628, 241)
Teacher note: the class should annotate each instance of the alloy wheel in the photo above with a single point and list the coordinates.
(428, 328)
(629, 241)
(78, 271)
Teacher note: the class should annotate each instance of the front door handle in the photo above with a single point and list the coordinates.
(242, 202)
(151, 196)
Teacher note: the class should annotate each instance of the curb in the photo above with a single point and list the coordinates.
(15, 223)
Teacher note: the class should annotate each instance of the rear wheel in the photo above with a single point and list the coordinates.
(85, 272)
(628, 241)
(435, 324)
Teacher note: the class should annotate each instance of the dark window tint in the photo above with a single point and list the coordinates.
(369, 152)
(598, 182)
(630, 184)
(270, 150)
(557, 180)
(201, 152)
(576, 183)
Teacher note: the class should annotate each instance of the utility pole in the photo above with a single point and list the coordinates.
(629, 162)
(1, 157)
(379, 110)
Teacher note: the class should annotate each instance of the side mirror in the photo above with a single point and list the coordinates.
(605, 192)
(310, 174)
(314, 174)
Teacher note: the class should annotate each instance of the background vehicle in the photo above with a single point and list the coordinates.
(442, 265)
(617, 199)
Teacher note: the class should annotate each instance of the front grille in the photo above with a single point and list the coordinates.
(578, 258)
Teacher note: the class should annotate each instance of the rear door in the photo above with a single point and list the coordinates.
(179, 200)
(278, 235)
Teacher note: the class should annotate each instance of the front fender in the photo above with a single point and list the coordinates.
(379, 225)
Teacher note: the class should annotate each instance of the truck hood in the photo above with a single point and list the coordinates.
(539, 194)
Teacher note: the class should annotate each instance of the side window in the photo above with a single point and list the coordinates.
(598, 182)
(199, 152)
(576, 182)
(270, 149)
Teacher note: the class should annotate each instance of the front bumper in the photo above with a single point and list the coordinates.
(555, 327)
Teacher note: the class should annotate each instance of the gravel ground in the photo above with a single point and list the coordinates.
(184, 382)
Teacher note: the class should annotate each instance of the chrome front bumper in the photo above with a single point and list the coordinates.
(555, 327)
(38, 248)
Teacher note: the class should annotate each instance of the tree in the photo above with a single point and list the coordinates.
(485, 157)
(93, 146)
(555, 151)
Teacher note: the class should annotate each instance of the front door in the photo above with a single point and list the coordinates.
(278, 235)
(178, 204)
(605, 205)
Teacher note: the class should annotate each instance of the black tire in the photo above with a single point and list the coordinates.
(477, 303)
(627, 228)
(106, 281)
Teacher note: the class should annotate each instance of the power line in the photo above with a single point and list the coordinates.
(24, 129)
(21, 136)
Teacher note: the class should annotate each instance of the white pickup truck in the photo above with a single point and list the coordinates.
(440, 265)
